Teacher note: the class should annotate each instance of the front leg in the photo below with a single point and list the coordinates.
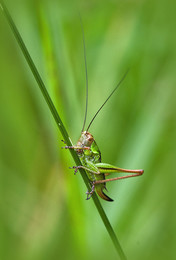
(83, 167)
(76, 147)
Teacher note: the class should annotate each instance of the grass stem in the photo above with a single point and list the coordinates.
(61, 127)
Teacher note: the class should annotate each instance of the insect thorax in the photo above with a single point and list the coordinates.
(93, 154)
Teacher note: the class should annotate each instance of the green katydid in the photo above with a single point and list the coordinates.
(90, 155)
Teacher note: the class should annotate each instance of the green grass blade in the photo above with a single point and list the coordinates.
(61, 128)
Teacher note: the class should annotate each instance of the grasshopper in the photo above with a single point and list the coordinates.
(90, 155)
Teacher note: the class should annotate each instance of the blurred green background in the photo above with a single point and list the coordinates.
(43, 211)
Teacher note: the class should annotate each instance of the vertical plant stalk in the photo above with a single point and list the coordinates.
(61, 128)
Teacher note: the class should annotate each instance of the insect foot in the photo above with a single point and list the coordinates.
(64, 147)
(89, 193)
(76, 169)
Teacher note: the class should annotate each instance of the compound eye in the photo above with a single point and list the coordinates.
(90, 139)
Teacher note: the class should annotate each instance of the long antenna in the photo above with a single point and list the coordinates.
(85, 63)
(107, 99)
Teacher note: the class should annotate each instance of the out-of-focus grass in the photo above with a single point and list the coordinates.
(42, 204)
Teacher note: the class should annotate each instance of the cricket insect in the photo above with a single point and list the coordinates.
(90, 155)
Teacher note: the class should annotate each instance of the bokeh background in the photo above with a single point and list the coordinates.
(43, 211)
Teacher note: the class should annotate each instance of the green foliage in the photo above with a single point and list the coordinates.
(43, 209)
